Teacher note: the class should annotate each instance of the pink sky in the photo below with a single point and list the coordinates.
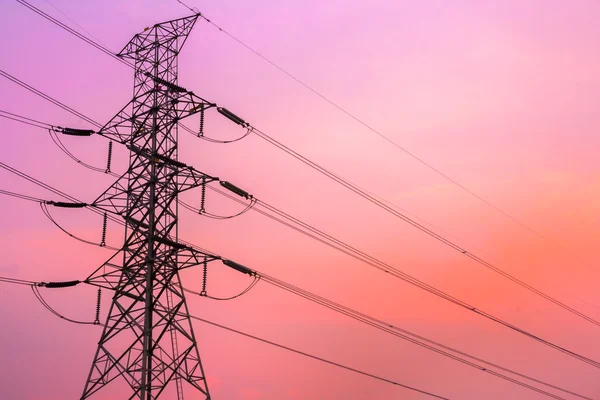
(501, 96)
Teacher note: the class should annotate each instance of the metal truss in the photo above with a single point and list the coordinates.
(148, 341)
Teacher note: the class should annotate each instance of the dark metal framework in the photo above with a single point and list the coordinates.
(148, 339)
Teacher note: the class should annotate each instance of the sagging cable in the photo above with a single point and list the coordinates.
(43, 302)
(201, 134)
(56, 139)
(214, 216)
(230, 187)
(249, 130)
(254, 282)
(44, 207)
(243, 292)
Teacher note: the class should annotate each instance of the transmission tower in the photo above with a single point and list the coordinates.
(148, 339)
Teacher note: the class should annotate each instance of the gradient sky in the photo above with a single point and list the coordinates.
(501, 96)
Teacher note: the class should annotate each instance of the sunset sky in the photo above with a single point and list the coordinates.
(500, 96)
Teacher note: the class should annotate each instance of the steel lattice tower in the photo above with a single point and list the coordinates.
(148, 338)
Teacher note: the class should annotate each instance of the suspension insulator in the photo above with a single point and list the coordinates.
(77, 132)
(201, 129)
(97, 320)
(203, 198)
(109, 159)
(205, 265)
(103, 241)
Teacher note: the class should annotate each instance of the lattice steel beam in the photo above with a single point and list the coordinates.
(148, 341)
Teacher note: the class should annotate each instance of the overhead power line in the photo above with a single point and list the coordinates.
(381, 135)
(329, 240)
(238, 332)
(381, 204)
(24, 120)
(49, 98)
(16, 281)
(74, 32)
(75, 22)
(403, 334)
(442, 239)
(305, 354)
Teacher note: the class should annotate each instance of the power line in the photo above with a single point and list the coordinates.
(20, 196)
(372, 261)
(72, 31)
(24, 120)
(80, 27)
(56, 140)
(321, 359)
(52, 190)
(393, 330)
(49, 98)
(381, 204)
(384, 137)
(241, 333)
(47, 306)
(44, 207)
(350, 186)
(16, 281)
(104, 49)
(351, 251)
(34, 288)
(189, 207)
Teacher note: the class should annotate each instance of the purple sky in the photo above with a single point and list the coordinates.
(501, 96)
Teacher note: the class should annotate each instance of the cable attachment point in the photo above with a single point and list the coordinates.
(205, 265)
(97, 320)
(103, 241)
(109, 160)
